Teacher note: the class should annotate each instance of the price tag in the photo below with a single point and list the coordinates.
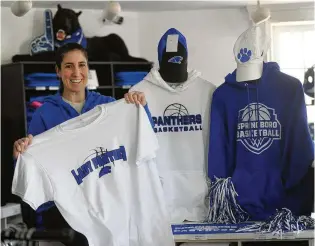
(201, 237)
(90, 87)
(53, 88)
(260, 236)
(40, 88)
(172, 43)
(289, 235)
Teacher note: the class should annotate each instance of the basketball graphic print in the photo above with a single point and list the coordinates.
(175, 109)
(252, 112)
(258, 127)
(99, 159)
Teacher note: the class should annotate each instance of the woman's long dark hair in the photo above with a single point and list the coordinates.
(62, 51)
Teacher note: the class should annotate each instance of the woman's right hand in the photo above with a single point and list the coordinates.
(20, 145)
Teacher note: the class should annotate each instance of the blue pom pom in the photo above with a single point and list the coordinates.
(282, 221)
(223, 205)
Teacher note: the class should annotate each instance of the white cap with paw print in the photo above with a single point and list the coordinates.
(249, 51)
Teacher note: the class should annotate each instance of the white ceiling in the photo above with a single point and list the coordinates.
(139, 6)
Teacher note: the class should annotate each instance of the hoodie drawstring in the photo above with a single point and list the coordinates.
(256, 110)
(249, 110)
(257, 103)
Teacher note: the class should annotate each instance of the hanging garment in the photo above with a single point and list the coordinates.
(180, 113)
(259, 136)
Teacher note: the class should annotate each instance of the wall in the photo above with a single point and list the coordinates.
(210, 36)
(18, 32)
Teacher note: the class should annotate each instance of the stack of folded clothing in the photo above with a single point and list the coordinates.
(41, 79)
(129, 78)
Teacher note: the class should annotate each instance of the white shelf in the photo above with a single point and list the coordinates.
(213, 233)
(233, 237)
(10, 209)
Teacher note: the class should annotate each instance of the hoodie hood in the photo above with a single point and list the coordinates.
(231, 77)
(91, 99)
(55, 111)
(164, 40)
(56, 99)
(155, 78)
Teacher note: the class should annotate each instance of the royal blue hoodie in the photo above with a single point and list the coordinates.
(55, 111)
(259, 136)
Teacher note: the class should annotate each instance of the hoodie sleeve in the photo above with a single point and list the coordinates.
(219, 162)
(106, 99)
(298, 145)
(37, 125)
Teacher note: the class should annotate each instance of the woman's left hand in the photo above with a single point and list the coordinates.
(135, 97)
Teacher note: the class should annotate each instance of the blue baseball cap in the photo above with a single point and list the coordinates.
(163, 40)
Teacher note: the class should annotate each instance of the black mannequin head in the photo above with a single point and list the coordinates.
(173, 59)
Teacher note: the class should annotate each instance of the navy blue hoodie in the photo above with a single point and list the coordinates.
(259, 136)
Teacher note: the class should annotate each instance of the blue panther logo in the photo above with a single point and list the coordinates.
(244, 55)
(176, 59)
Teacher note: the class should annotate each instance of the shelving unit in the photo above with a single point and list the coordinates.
(54, 88)
(11, 212)
(105, 73)
(14, 95)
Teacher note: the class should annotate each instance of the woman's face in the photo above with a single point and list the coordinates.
(74, 71)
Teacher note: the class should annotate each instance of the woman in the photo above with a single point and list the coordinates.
(72, 100)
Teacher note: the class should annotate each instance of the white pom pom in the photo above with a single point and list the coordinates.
(20, 8)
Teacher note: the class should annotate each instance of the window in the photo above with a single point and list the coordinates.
(293, 48)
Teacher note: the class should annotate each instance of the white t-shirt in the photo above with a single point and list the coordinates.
(181, 115)
(99, 168)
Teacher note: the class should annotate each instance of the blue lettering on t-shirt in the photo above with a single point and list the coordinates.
(103, 159)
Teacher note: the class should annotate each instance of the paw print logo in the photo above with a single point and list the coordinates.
(244, 55)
